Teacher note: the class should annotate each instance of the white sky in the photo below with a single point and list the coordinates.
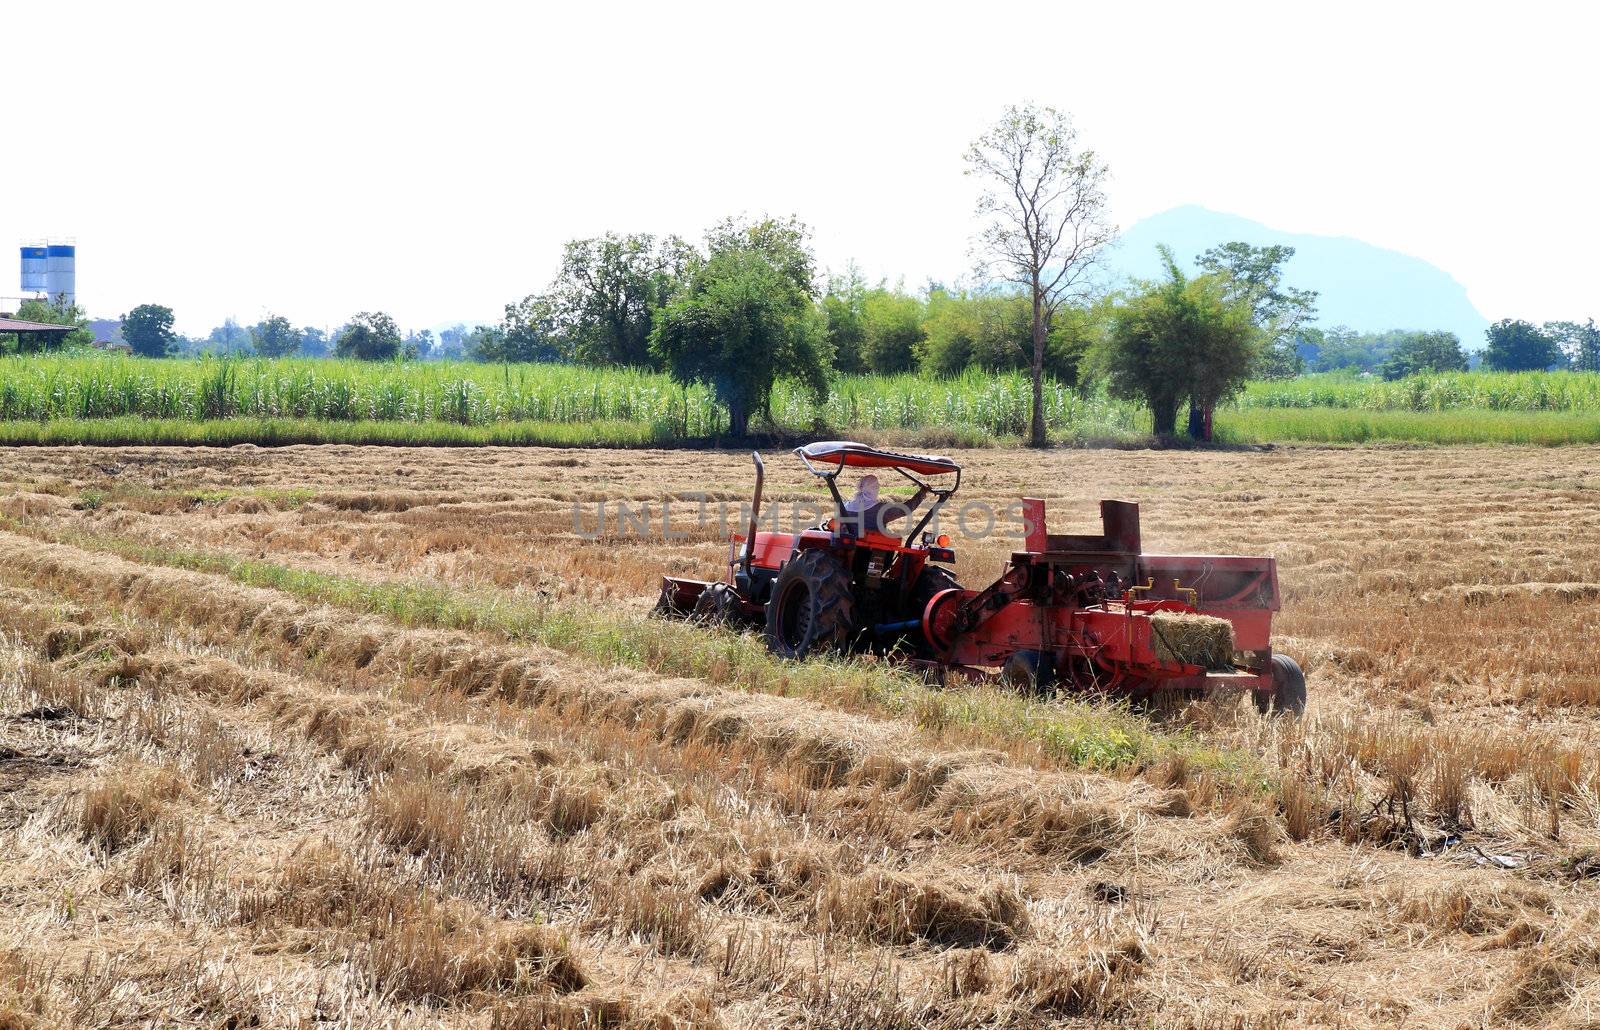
(317, 159)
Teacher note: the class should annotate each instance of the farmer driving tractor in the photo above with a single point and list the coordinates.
(865, 513)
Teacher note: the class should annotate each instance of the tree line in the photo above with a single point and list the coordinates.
(147, 330)
(1510, 345)
(748, 304)
(368, 335)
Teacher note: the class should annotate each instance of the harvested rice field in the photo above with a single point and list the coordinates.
(363, 737)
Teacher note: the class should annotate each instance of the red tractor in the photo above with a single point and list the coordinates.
(1089, 613)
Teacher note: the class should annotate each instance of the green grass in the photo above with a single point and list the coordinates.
(1353, 426)
(1571, 392)
(1075, 733)
(288, 497)
(115, 400)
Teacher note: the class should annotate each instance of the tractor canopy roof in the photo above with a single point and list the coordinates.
(849, 454)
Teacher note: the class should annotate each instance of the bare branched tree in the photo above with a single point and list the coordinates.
(1045, 222)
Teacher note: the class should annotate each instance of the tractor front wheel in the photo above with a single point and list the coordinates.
(1289, 697)
(717, 605)
(812, 608)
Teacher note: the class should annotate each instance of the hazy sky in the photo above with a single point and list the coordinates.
(318, 159)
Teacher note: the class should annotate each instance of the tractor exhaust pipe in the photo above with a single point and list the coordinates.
(755, 514)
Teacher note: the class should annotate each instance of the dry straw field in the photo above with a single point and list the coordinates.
(364, 737)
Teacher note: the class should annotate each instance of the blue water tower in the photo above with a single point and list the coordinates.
(61, 271)
(33, 269)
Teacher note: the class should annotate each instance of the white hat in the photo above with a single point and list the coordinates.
(866, 494)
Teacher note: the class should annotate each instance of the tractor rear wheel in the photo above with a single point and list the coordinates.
(812, 607)
(1290, 696)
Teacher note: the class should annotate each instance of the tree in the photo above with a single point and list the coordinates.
(1308, 344)
(370, 336)
(417, 345)
(227, 338)
(992, 331)
(1343, 348)
(483, 343)
(1178, 339)
(148, 330)
(1044, 204)
(1223, 349)
(1587, 356)
(742, 320)
(57, 311)
(1254, 275)
(608, 291)
(842, 309)
(1579, 343)
(1425, 352)
(452, 342)
(1077, 331)
(313, 342)
(529, 332)
(891, 330)
(275, 337)
(952, 330)
(785, 243)
(1518, 346)
(977, 330)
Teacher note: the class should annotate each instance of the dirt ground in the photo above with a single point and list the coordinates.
(223, 805)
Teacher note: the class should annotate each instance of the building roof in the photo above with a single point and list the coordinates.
(17, 325)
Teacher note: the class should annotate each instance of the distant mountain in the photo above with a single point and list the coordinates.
(1360, 286)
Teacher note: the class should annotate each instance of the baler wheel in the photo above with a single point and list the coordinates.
(931, 582)
(812, 608)
(1290, 696)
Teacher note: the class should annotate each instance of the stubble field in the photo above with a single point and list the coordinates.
(350, 736)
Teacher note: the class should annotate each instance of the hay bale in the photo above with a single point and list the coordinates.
(1192, 639)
